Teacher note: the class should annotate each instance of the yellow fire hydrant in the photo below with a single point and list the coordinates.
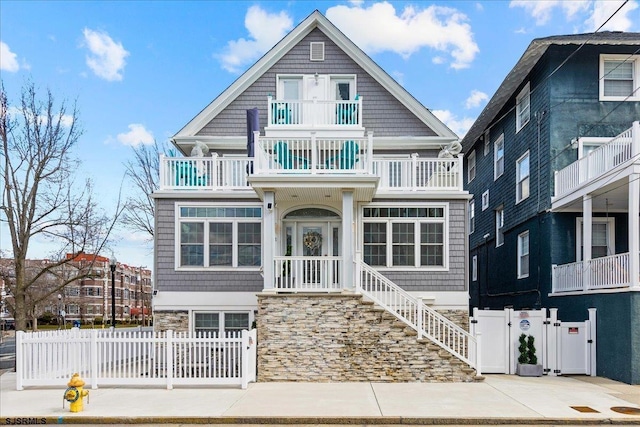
(75, 393)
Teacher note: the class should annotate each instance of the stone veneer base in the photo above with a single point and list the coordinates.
(341, 338)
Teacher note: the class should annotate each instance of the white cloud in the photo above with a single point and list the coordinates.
(18, 113)
(459, 126)
(106, 58)
(602, 10)
(265, 30)
(475, 99)
(398, 76)
(8, 59)
(379, 28)
(137, 135)
(542, 10)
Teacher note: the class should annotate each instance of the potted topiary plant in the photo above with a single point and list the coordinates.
(527, 365)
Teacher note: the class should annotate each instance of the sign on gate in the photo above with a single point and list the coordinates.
(561, 347)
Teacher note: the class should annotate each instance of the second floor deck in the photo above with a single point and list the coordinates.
(311, 156)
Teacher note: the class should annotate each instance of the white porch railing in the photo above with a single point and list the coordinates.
(599, 273)
(314, 113)
(105, 357)
(230, 174)
(418, 174)
(307, 274)
(621, 149)
(425, 320)
(313, 155)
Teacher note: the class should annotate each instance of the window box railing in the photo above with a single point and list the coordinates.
(314, 113)
(620, 150)
(599, 273)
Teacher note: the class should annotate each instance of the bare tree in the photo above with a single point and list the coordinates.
(41, 198)
(143, 172)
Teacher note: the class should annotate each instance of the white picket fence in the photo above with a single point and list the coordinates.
(108, 357)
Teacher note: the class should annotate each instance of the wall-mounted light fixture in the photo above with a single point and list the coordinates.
(269, 206)
(316, 78)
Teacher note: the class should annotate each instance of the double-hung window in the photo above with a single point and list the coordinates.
(472, 216)
(405, 237)
(471, 166)
(523, 108)
(498, 157)
(523, 255)
(220, 236)
(602, 238)
(619, 77)
(522, 178)
(499, 227)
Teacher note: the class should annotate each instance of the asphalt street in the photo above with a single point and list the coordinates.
(7, 353)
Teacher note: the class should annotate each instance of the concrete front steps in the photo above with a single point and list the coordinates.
(344, 338)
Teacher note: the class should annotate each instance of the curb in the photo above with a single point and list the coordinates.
(320, 420)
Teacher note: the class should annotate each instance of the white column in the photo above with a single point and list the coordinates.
(634, 230)
(348, 230)
(587, 213)
(269, 237)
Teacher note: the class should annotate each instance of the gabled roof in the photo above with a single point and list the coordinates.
(523, 67)
(313, 21)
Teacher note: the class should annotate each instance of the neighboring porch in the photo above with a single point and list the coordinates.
(606, 179)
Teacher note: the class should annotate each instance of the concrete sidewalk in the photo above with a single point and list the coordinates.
(500, 399)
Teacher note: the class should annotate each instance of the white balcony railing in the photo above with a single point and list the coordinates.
(599, 273)
(314, 114)
(621, 149)
(307, 274)
(284, 157)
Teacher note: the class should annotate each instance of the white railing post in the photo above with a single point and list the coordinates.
(162, 171)
(369, 157)
(414, 172)
(269, 110)
(314, 152)
(214, 170)
(358, 272)
(420, 317)
(169, 357)
(93, 349)
(459, 175)
(478, 337)
(19, 360)
(245, 359)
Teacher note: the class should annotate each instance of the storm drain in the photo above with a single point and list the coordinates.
(627, 410)
(585, 409)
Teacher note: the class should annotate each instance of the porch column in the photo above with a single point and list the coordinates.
(634, 230)
(268, 233)
(587, 213)
(348, 230)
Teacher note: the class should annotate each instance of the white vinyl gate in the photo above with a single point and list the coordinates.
(561, 347)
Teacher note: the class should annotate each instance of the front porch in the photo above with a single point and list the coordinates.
(606, 180)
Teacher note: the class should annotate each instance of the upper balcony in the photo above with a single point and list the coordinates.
(291, 159)
(596, 168)
(325, 117)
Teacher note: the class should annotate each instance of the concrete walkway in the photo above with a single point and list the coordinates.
(500, 399)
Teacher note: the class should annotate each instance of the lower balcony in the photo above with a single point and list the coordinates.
(610, 272)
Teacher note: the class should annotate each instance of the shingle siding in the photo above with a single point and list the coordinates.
(382, 112)
(170, 279)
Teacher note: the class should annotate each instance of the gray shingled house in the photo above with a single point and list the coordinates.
(318, 200)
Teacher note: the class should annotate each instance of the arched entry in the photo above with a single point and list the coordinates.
(311, 250)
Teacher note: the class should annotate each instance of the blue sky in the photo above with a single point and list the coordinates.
(140, 70)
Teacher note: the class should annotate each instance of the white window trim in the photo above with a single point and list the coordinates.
(485, 200)
(495, 157)
(471, 160)
(474, 268)
(206, 221)
(590, 140)
(221, 318)
(524, 93)
(520, 255)
(311, 46)
(498, 228)
(519, 197)
(472, 216)
(611, 234)
(334, 79)
(389, 246)
(636, 77)
(280, 78)
(487, 143)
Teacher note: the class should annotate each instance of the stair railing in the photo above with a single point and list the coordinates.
(423, 319)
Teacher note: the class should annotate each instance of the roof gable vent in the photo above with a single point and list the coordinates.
(316, 51)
